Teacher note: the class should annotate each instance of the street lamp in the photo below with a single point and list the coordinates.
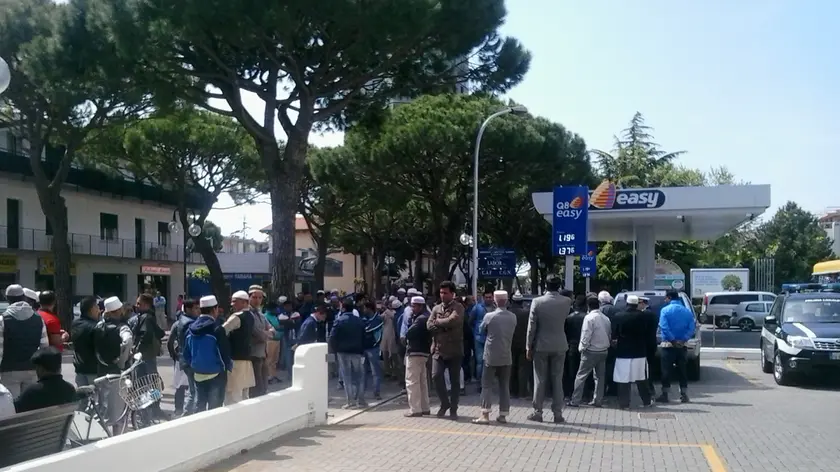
(193, 231)
(467, 241)
(516, 110)
(5, 75)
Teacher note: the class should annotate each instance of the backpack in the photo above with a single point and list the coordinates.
(108, 342)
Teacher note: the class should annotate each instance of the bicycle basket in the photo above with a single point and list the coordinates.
(141, 391)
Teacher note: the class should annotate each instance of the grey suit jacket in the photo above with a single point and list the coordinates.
(547, 323)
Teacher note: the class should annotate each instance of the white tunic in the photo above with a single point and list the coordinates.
(630, 370)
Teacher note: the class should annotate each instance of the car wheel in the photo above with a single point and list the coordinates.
(723, 322)
(693, 373)
(780, 371)
(746, 324)
(766, 366)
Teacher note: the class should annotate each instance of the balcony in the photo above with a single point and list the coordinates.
(92, 245)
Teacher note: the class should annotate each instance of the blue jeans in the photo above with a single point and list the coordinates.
(350, 366)
(210, 393)
(187, 394)
(371, 361)
(479, 360)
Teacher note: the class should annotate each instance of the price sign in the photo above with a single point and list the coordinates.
(570, 221)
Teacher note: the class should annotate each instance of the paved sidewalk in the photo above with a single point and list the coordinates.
(739, 420)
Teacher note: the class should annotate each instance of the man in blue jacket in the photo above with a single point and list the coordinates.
(676, 326)
(477, 314)
(207, 352)
(347, 340)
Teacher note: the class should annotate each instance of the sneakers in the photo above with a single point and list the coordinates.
(684, 397)
(535, 417)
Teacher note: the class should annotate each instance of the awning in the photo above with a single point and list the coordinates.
(827, 267)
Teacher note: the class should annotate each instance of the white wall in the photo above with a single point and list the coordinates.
(200, 440)
(83, 210)
(832, 230)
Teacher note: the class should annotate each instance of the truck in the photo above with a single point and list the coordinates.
(718, 280)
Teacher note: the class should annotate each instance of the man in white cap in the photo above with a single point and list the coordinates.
(207, 353)
(418, 347)
(239, 327)
(113, 343)
(21, 335)
(497, 327)
(595, 340)
(630, 332)
(31, 297)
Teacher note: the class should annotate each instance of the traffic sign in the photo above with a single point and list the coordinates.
(496, 263)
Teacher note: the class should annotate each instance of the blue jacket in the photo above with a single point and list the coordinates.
(373, 330)
(308, 331)
(348, 334)
(478, 311)
(206, 349)
(676, 322)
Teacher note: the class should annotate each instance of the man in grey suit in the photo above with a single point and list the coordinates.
(547, 346)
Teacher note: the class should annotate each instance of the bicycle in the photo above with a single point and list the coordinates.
(138, 392)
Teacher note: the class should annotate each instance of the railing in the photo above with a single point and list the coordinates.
(25, 239)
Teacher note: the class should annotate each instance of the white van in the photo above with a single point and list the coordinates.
(717, 306)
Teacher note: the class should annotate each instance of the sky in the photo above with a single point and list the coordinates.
(753, 85)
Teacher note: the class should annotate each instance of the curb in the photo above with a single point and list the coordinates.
(722, 353)
(355, 413)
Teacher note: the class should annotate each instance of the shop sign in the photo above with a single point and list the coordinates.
(8, 263)
(46, 266)
(155, 270)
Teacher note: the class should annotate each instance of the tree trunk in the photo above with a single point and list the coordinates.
(535, 275)
(444, 257)
(284, 190)
(55, 209)
(419, 271)
(322, 244)
(217, 277)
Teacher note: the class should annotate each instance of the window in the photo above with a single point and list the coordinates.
(733, 299)
(756, 307)
(163, 233)
(108, 226)
(768, 297)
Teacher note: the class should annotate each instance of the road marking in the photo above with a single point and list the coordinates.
(709, 452)
(732, 368)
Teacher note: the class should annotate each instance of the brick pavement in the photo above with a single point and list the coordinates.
(739, 420)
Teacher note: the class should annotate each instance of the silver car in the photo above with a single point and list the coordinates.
(750, 315)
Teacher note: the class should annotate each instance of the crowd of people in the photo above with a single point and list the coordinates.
(574, 349)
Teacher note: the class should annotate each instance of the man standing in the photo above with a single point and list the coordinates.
(574, 327)
(147, 334)
(239, 328)
(652, 321)
(207, 353)
(446, 323)
(262, 333)
(46, 309)
(522, 371)
(547, 347)
(418, 345)
(347, 340)
(630, 333)
(373, 336)
(595, 337)
(477, 314)
(497, 327)
(159, 303)
(21, 335)
(677, 325)
(185, 398)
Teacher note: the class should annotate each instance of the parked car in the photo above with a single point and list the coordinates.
(718, 306)
(657, 301)
(801, 337)
(750, 315)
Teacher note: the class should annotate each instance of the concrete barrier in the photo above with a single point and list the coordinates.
(200, 440)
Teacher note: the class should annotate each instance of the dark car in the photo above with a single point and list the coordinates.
(801, 336)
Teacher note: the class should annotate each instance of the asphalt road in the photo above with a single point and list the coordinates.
(729, 337)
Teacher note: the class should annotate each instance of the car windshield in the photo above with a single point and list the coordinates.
(656, 303)
(812, 310)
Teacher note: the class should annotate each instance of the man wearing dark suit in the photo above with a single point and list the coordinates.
(546, 347)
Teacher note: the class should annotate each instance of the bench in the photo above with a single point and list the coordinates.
(35, 434)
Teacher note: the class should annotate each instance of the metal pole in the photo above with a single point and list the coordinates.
(634, 259)
(184, 251)
(474, 267)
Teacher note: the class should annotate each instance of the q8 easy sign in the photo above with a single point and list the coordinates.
(570, 221)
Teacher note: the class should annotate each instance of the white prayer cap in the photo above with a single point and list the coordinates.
(392, 298)
(605, 297)
(30, 294)
(500, 294)
(208, 301)
(395, 304)
(255, 288)
(413, 291)
(240, 295)
(14, 290)
(418, 301)
(112, 304)
(335, 290)
(400, 290)
(282, 299)
(632, 300)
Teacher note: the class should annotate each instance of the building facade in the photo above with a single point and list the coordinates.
(237, 245)
(118, 232)
(830, 223)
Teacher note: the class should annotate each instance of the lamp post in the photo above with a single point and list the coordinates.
(516, 110)
(5, 75)
(193, 231)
